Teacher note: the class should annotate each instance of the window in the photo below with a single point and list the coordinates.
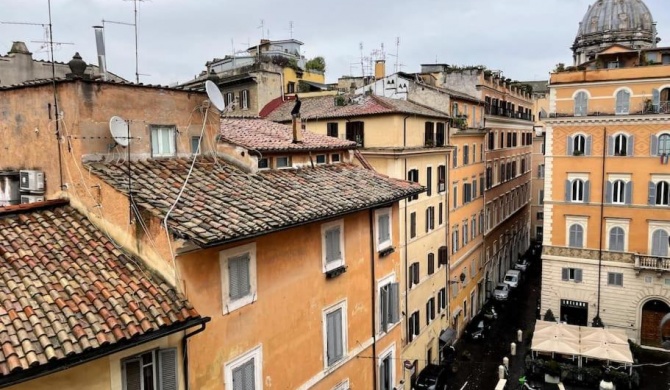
(238, 276)
(660, 145)
(440, 216)
(617, 237)
(441, 178)
(155, 369)
(414, 277)
(413, 326)
(244, 99)
(332, 130)
(442, 256)
(335, 158)
(412, 225)
(389, 304)
(622, 102)
(571, 275)
(429, 181)
(283, 162)
(430, 310)
(332, 245)
(481, 222)
(540, 216)
(441, 299)
(344, 385)
(576, 190)
(576, 239)
(429, 134)
(467, 193)
(195, 145)
(263, 163)
(659, 194)
(454, 239)
(290, 87)
(579, 145)
(439, 135)
(466, 155)
(581, 104)
(540, 171)
(465, 233)
(473, 228)
(474, 188)
(659, 243)
(355, 132)
(413, 175)
(244, 372)
(335, 320)
(229, 99)
(455, 156)
(383, 217)
(619, 146)
(615, 279)
(474, 153)
(163, 141)
(386, 372)
(430, 218)
(455, 200)
(619, 192)
(320, 158)
(431, 263)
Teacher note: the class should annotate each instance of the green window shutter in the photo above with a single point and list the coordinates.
(167, 369)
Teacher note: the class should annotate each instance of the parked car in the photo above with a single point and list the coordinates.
(522, 265)
(513, 278)
(501, 292)
(478, 328)
(432, 377)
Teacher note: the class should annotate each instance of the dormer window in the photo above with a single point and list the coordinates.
(163, 141)
(335, 158)
(263, 163)
(320, 158)
(282, 162)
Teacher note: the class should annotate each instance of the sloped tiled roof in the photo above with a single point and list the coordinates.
(324, 107)
(268, 136)
(223, 203)
(67, 291)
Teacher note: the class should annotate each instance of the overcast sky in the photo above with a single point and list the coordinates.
(524, 38)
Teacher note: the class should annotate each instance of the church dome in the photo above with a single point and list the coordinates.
(609, 22)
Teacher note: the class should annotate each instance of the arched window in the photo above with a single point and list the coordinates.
(659, 243)
(576, 239)
(578, 144)
(619, 192)
(620, 145)
(577, 190)
(617, 237)
(622, 102)
(662, 193)
(664, 144)
(581, 104)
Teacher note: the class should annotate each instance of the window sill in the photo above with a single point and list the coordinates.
(386, 251)
(335, 272)
(231, 306)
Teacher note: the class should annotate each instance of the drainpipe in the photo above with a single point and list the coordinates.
(373, 291)
(447, 230)
(597, 321)
(184, 348)
(404, 265)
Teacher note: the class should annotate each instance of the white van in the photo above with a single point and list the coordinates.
(513, 277)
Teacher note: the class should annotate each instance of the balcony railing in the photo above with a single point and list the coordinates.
(653, 263)
(640, 262)
(501, 111)
(642, 109)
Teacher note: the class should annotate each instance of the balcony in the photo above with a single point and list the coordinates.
(640, 262)
(642, 109)
(652, 263)
(618, 74)
(503, 112)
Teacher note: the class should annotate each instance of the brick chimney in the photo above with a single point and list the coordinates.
(297, 129)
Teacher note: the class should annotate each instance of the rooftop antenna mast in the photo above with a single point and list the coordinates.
(262, 27)
(290, 29)
(47, 42)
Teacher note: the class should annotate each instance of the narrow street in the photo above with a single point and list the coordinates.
(476, 366)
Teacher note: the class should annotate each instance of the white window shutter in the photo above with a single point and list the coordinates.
(167, 369)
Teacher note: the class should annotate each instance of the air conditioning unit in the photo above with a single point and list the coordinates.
(32, 181)
(31, 198)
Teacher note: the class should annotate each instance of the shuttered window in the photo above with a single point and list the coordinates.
(335, 337)
(615, 279)
(571, 274)
(659, 243)
(151, 370)
(244, 377)
(429, 181)
(383, 229)
(620, 145)
(389, 305)
(412, 225)
(581, 104)
(576, 239)
(431, 263)
(659, 193)
(333, 251)
(617, 237)
(238, 276)
(622, 102)
(439, 135)
(332, 129)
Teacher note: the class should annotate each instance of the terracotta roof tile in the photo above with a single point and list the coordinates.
(324, 107)
(223, 203)
(53, 302)
(267, 136)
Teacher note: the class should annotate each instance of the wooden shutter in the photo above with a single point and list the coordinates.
(610, 145)
(570, 146)
(429, 181)
(394, 303)
(432, 217)
(630, 145)
(568, 190)
(656, 100)
(238, 276)
(587, 149)
(412, 226)
(587, 191)
(628, 196)
(167, 369)
(384, 307)
(654, 145)
(578, 275)
(132, 374)
(334, 336)
(416, 273)
(608, 192)
(383, 228)
(427, 219)
(244, 376)
(474, 189)
(565, 274)
(428, 312)
(652, 193)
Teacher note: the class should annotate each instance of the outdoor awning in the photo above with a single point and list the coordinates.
(457, 311)
(619, 353)
(314, 85)
(448, 336)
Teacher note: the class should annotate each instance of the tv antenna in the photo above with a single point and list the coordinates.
(214, 95)
(262, 27)
(134, 25)
(290, 29)
(46, 43)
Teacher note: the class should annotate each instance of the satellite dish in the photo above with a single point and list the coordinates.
(214, 95)
(119, 129)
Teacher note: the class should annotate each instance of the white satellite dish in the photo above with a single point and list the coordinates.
(214, 95)
(119, 129)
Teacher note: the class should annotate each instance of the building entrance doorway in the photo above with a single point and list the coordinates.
(651, 333)
(574, 312)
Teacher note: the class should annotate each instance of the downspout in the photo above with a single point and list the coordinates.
(597, 321)
(405, 270)
(373, 299)
(184, 349)
(447, 230)
(484, 191)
